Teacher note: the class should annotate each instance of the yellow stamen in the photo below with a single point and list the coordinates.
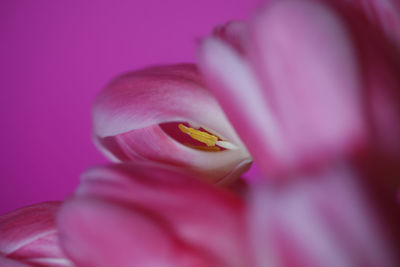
(200, 136)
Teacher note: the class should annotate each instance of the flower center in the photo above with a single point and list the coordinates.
(198, 138)
(206, 138)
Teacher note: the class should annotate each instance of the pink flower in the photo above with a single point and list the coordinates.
(146, 215)
(28, 237)
(306, 83)
(155, 115)
(309, 85)
(307, 89)
(312, 89)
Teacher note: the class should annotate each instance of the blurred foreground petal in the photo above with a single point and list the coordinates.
(324, 219)
(314, 83)
(150, 216)
(384, 14)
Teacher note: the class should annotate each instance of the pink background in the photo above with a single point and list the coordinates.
(56, 55)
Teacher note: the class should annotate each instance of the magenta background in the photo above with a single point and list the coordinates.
(56, 55)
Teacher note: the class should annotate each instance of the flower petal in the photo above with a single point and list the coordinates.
(100, 233)
(379, 68)
(127, 115)
(318, 220)
(240, 94)
(308, 60)
(29, 236)
(284, 101)
(161, 205)
(6, 262)
(234, 33)
(384, 14)
(152, 143)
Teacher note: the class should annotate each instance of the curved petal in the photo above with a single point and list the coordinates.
(152, 143)
(155, 213)
(311, 82)
(323, 219)
(234, 33)
(128, 113)
(384, 14)
(28, 236)
(379, 68)
(307, 59)
(135, 238)
(240, 94)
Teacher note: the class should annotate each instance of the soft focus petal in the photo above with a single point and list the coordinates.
(29, 236)
(234, 33)
(305, 70)
(315, 83)
(319, 220)
(6, 262)
(379, 63)
(240, 94)
(158, 215)
(384, 14)
(380, 69)
(306, 59)
(100, 233)
(128, 113)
